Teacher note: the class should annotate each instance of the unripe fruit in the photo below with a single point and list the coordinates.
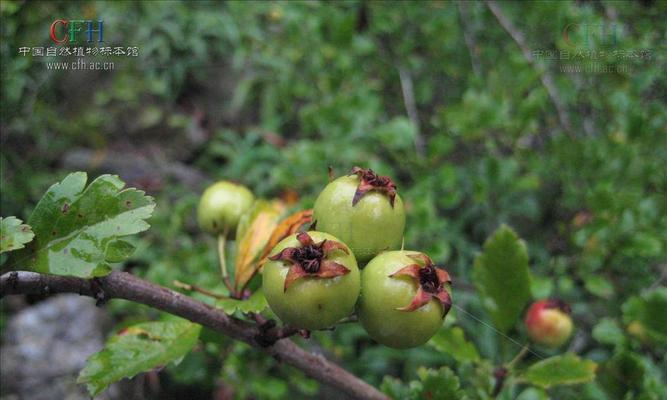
(548, 322)
(311, 280)
(404, 298)
(364, 211)
(221, 207)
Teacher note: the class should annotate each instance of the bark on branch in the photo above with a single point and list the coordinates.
(121, 285)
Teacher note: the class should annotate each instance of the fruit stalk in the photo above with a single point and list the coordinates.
(222, 244)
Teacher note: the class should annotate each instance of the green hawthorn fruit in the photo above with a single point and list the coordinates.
(404, 298)
(364, 211)
(311, 280)
(221, 206)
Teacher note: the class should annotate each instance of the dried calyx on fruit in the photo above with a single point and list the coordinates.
(311, 281)
(311, 259)
(369, 180)
(431, 280)
(404, 298)
(364, 211)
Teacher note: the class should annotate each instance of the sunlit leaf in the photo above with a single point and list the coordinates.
(607, 331)
(14, 234)
(255, 303)
(139, 348)
(77, 226)
(253, 233)
(453, 342)
(566, 369)
(599, 286)
(501, 275)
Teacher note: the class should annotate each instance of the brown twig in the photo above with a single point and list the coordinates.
(411, 107)
(469, 37)
(121, 285)
(500, 374)
(545, 76)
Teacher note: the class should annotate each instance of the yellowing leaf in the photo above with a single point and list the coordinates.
(286, 227)
(253, 233)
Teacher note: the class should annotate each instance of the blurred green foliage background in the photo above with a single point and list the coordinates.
(436, 94)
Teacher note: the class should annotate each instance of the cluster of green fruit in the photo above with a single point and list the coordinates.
(313, 280)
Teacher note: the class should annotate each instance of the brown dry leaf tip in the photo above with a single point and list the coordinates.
(431, 280)
(369, 180)
(310, 259)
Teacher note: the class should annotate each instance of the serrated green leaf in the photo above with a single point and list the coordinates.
(136, 349)
(501, 275)
(567, 369)
(397, 390)
(439, 384)
(14, 234)
(625, 373)
(255, 303)
(607, 331)
(74, 225)
(452, 341)
(646, 314)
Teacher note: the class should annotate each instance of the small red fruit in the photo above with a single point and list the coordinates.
(548, 322)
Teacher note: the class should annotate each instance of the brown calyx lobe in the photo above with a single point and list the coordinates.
(310, 259)
(431, 282)
(370, 181)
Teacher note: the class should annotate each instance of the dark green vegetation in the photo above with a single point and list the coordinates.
(441, 98)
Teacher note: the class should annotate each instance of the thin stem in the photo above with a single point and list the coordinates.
(500, 374)
(520, 355)
(222, 244)
(193, 288)
(503, 372)
(546, 78)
